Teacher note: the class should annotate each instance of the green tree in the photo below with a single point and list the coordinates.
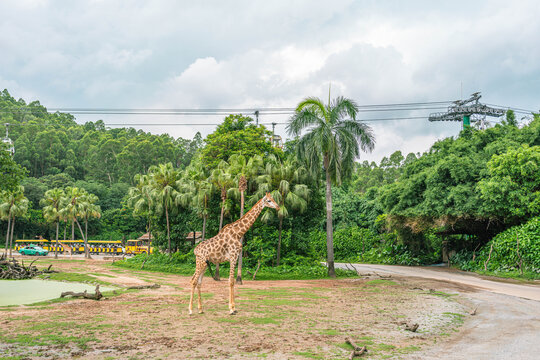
(52, 210)
(164, 191)
(11, 174)
(223, 180)
(333, 141)
(237, 135)
(286, 181)
(75, 206)
(512, 190)
(13, 204)
(141, 201)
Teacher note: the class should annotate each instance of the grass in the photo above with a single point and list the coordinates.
(308, 354)
(304, 272)
(381, 282)
(527, 276)
(74, 277)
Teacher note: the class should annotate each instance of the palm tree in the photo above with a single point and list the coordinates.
(75, 205)
(223, 180)
(163, 180)
(14, 204)
(140, 199)
(52, 210)
(197, 191)
(284, 180)
(244, 169)
(90, 210)
(333, 141)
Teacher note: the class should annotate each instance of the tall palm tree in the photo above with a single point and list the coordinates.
(75, 205)
(14, 204)
(332, 141)
(244, 170)
(140, 199)
(90, 210)
(163, 180)
(223, 180)
(52, 210)
(286, 182)
(196, 191)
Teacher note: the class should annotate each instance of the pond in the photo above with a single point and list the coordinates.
(20, 292)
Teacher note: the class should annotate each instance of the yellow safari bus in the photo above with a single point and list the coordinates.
(135, 247)
(97, 246)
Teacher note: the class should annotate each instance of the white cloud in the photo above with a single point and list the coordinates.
(272, 54)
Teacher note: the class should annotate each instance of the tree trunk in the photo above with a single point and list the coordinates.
(7, 236)
(216, 274)
(168, 231)
(86, 227)
(279, 240)
(72, 229)
(11, 237)
(203, 227)
(239, 277)
(329, 229)
(221, 217)
(86, 252)
(56, 249)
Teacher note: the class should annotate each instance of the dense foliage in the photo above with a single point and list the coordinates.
(516, 250)
(463, 195)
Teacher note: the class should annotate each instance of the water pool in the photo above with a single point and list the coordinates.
(20, 292)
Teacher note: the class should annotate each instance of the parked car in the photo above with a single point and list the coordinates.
(33, 250)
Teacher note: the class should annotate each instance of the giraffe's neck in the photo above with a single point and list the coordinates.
(245, 222)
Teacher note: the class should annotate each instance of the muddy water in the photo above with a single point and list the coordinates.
(19, 292)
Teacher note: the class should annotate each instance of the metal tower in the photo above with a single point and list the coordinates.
(462, 110)
(8, 141)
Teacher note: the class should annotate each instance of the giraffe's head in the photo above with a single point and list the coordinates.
(268, 201)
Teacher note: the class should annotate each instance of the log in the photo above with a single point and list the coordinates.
(96, 296)
(411, 327)
(155, 286)
(358, 351)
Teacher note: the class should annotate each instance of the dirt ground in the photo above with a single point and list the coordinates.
(275, 320)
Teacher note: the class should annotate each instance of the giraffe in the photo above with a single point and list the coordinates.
(223, 247)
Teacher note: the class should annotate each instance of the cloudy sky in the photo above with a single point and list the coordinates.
(262, 54)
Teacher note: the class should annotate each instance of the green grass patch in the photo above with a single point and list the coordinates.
(264, 320)
(381, 282)
(74, 277)
(330, 332)
(308, 354)
(183, 265)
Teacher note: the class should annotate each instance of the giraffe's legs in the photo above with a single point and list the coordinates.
(232, 310)
(199, 282)
(196, 281)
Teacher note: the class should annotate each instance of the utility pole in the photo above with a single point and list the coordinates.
(257, 117)
(273, 137)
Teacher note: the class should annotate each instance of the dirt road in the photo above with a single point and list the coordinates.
(506, 324)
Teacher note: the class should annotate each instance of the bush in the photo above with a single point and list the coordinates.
(184, 264)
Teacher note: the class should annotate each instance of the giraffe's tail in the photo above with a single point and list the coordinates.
(210, 268)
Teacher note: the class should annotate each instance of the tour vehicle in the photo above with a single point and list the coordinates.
(135, 247)
(33, 250)
(74, 246)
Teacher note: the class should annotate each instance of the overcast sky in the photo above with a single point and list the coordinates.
(237, 54)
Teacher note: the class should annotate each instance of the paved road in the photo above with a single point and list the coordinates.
(507, 323)
(531, 292)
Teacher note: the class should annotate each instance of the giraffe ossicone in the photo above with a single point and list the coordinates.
(225, 246)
